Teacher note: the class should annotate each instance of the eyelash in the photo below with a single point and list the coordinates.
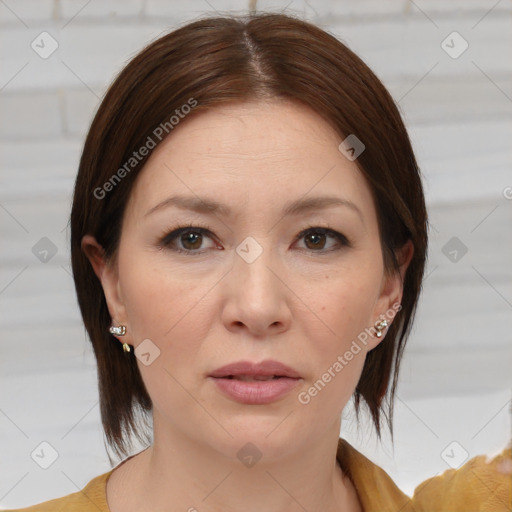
(165, 241)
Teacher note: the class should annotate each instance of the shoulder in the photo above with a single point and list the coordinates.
(375, 488)
(92, 498)
(480, 485)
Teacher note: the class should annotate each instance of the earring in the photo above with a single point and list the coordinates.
(380, 326)
(118, 331)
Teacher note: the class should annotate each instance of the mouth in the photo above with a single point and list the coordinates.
(264, 370)
(252, 378)
(255, 383)
(255, 390)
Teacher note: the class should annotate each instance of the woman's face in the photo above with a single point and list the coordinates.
(250, 279)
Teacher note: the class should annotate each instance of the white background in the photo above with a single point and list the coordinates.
(456, 375)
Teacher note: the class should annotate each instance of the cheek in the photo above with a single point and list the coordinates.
(160, 303)
(345, 307)
(345, 304)
(169, 310)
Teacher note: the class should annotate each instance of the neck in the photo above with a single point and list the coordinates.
(179, 472)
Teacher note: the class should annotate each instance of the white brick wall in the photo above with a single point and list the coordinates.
(398, 40)
(30, 115)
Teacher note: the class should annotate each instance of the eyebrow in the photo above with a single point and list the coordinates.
(210, 206)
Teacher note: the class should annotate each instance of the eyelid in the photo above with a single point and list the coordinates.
(327, 230)
(174, 233)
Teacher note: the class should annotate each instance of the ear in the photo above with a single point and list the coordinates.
(392, 289)
(107, 273)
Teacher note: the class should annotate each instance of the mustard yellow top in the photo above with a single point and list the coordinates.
(475, 487)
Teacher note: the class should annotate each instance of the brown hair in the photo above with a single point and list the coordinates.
(215, 61)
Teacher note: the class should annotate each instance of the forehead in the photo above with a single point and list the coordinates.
(264, 154)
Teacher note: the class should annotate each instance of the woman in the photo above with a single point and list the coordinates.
(249, 237)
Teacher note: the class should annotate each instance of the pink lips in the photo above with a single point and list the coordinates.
(256, 383)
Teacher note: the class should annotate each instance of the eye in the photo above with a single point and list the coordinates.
(186, 239)
(316, 238)
(189, 240)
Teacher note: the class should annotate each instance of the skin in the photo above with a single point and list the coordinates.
(300, 302)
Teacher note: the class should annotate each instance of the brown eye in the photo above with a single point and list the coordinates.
(191, 240)
(188, 240)
(315, 240)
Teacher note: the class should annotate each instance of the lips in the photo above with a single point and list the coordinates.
(255, 383)
(249, 371)
(252, 378)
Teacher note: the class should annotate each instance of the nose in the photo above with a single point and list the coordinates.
(257, 298)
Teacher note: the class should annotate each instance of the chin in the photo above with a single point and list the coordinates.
(269, 436)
